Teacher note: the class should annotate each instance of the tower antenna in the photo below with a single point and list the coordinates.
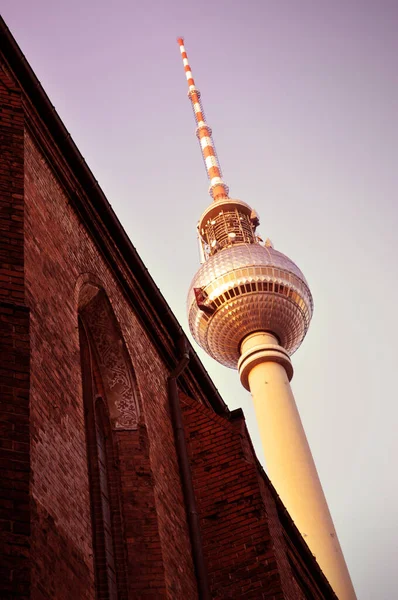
(218, 188)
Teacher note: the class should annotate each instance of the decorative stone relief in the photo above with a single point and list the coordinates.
(113, 362)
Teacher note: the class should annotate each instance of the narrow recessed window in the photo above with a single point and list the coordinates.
(103, 442)
(103, 478)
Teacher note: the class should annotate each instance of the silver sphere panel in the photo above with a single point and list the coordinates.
(250, 288)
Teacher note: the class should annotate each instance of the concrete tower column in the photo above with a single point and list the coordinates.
(265, 370)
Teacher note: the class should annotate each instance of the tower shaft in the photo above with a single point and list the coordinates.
(265, 370)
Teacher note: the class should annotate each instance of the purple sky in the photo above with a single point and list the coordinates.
(303, 99)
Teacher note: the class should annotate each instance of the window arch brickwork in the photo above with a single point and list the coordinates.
(113, 361)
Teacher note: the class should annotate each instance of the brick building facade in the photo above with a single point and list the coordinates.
(122, 472)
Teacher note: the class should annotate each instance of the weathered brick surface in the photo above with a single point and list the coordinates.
(237, 542)
(248, 552)
(60, 257)
(145, 560)
(14, 452)
(14, 352)
(11, 189)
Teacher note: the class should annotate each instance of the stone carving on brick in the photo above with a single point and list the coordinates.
(113, 362)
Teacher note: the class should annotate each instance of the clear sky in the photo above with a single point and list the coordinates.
(303, 99)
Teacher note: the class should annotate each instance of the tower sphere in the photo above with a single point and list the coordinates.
(244, 288)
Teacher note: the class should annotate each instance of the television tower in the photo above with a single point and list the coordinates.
(249, 307)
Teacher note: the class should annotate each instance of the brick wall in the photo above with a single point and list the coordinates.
(11, 190)
(246, 548)
(145, 559)
(237, 542)
(60, 256)
(14, 452)
(14, 352)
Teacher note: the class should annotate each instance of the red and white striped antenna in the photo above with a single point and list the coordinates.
(218, 188)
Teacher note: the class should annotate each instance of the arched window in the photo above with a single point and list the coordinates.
(110, 572)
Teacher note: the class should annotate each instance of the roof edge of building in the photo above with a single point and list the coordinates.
(286, 520)
(161, 312)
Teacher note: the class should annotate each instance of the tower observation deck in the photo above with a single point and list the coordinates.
(249, 307)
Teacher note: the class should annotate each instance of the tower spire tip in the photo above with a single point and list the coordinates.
(218, 188)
